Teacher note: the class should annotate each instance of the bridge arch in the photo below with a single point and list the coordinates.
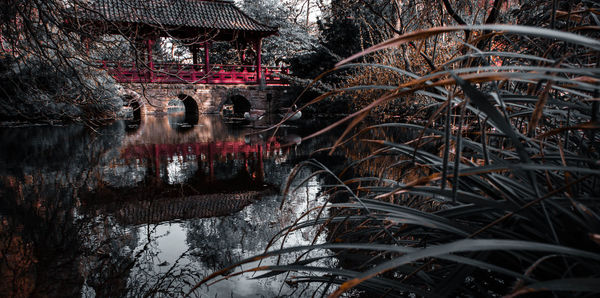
(134, 102)
(192, 113)
(240, 104)
(136, 109)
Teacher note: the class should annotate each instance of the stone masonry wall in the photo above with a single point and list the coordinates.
(155, 98)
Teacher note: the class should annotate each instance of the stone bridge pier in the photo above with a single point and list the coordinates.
(204, 99)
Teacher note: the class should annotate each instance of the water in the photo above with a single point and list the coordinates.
(146, 208)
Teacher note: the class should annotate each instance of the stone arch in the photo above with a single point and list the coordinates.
(137, 110)
(240, 104)
(192, 113)
(133, 101)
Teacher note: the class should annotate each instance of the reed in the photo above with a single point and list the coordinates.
(498, 193)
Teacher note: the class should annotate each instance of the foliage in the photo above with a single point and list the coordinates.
(47, 74)
(490, 188)
(36, 90)
(293, 38)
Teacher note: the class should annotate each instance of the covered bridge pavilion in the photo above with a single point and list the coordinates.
(196, 23)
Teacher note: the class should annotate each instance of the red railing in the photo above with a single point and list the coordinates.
(173, 73)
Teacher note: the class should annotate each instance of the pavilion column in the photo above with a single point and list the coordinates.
(194, 55)
(258, 60)
(207, 56)
(149, 43)
(194, 50)
(138, 52)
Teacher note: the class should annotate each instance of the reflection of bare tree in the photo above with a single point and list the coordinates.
(52, 151)
(39, 250)
(216, 243)
(125, 261)
(220, 241)
(109, 257)
(40, 245)
(154, 276)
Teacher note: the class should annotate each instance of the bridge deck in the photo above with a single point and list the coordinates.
(173, 73)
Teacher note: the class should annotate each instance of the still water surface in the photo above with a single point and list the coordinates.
(148, 208)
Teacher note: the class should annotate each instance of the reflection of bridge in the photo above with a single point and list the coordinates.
(205, 152)
(209, 150)
(167, 209)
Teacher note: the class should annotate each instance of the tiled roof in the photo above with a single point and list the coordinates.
(222, 15)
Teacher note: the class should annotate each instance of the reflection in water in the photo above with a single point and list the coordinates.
(117, 211)
(40, 171)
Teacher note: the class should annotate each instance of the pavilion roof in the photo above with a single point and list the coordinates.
(200, 14)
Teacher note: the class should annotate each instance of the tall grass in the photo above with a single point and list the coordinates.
(497, 195)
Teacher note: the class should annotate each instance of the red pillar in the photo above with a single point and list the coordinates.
(206, 56)
(258, 60)
(194, 50)
(206, 60)
(150, 62)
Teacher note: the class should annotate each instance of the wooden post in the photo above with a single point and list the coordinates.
(258, 60)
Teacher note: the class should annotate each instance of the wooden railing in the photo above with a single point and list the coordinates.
(173, 73)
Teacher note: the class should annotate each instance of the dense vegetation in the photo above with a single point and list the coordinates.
(485, 180)
(45, 70)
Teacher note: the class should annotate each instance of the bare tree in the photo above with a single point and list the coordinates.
(46, 71)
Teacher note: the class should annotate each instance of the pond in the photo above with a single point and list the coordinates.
(145, 208)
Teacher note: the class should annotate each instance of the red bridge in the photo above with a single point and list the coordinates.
(155, 25)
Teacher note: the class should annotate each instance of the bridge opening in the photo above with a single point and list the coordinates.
(137, 110)
(192, 113)
(175, 106)
(133, 121)
(240, 104)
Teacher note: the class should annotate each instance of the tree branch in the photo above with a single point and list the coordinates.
(456, 17)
